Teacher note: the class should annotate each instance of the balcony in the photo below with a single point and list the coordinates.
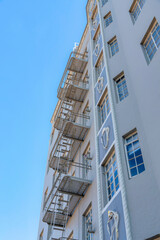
(75, 67)
(75, 131)
(63, 164)
(59, 219)
(63, 198)
(63, 151)
(72, 133)
(74, 88)
(68, 111)
(74, 186)
(77, 62)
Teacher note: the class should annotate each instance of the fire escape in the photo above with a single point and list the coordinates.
(73, 127)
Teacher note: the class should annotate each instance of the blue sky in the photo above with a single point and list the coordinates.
(36, 39)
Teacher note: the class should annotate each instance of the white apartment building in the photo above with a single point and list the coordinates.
(102, 178)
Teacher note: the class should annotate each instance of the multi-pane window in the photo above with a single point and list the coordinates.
(113, 46)
(97, 36)
(103, 2)
(45, 197)
(88, 225)
(104, 108)
(87, 160)
(111, 173)
(151, 40)
(108, 19)
(156, 237)
(51, 138)
(134, 154)
(95, 13)
(54, 177)
(121, 86)
(136, 8)
(41, 235)
(49, 233)
(70, 237)
(99, 65)
(86, 115)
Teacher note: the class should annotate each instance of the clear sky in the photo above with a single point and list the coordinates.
(36, 38)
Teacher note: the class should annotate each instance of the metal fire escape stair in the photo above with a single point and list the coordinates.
(67, 190)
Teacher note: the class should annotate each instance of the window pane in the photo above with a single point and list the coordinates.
(139, 160)
(141, 168)
(133, 172)
(132, 163)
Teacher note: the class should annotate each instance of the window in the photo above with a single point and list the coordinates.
(104, 108)
(113, 46)
(87, 160)
(151, 40)
(157, 237)
(51, 138)
(54, 177)
(111, 173)
(70, 237)
(41, 235)
(86, 115)
(103, 2)
(108, 19)
(45, 197)
(48, 166)
(49, 232)
(88, 225)
(121, 86)
(99, 65)
(95, 12)
(136, 8)
(97, 36)
(134, 154)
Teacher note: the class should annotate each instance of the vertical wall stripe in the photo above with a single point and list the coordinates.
(98, 170)
(117, 147)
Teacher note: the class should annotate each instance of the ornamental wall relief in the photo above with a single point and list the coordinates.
(100, 83)
(97, 48)
(105, 137)
(113, 228)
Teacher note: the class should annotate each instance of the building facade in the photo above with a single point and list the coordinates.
(102, 178)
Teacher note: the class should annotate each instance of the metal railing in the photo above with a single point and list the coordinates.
(76, 55)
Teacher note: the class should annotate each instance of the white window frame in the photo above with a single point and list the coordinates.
(86, 161)
(45, 197)
(116, 82)
(89, 211)
(101, 63)
(113, 159)
(149, 34)
(133, 8)
(104, 2)
(107, 16)
(110, 47)
(126, 153)
(104, 99)
(41, 235)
